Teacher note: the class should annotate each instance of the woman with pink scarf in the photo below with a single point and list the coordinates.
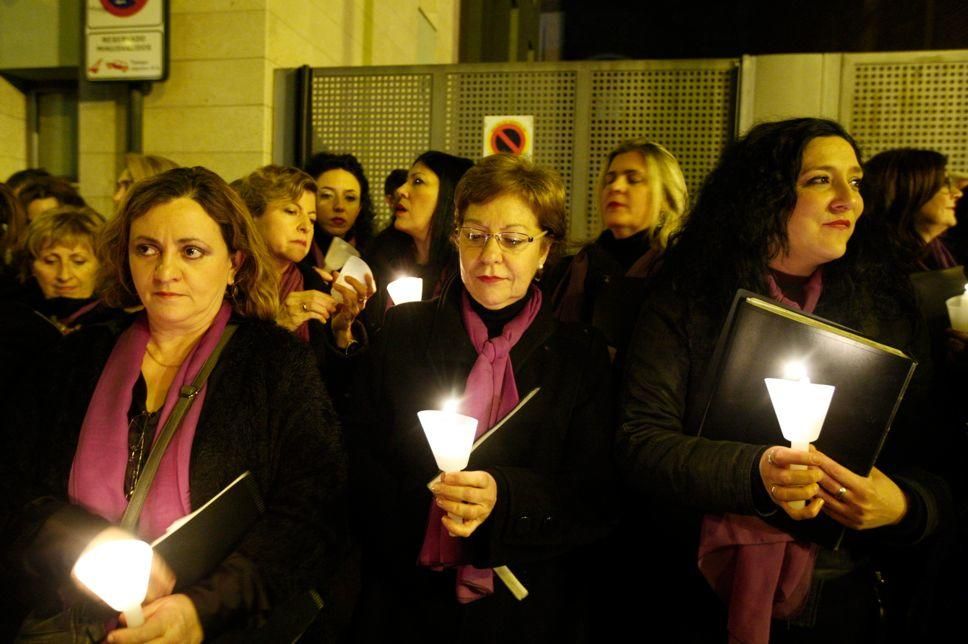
(185, 249)
(535, 495)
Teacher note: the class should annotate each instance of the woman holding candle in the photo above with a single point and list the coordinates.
(774, 216)
(344, 207)
(185, 248)
(283, 203)
(418, 243)
(642, 200)
(537, 491)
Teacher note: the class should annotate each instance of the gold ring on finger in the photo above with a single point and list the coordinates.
(841, 493)
(305, 307)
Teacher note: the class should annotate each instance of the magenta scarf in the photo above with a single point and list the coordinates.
(97, 475)
(71, 319)
(489, 394)
(759, 571)
(292, 281)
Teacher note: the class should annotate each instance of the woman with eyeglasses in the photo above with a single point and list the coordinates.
(418, 241)
(535, 496)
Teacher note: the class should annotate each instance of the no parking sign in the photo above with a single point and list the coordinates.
(508, 134)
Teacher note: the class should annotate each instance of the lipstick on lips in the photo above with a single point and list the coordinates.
(489, 279)
(839, 224)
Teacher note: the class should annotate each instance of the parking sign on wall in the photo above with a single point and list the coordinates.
(125, 40)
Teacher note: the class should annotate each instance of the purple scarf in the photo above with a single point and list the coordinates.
(759, 571)
(292, 281)
(489, 394)
(935, 256)
(97, 475)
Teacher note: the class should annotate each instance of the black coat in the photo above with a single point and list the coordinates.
(265, 411)
(551, 464)
(681, 476)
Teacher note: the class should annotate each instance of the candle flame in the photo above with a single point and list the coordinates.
(795, 370)
(450, 406)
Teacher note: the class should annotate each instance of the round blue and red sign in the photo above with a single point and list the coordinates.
(123, 8)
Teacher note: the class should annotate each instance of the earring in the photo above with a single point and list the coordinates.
(232, 291)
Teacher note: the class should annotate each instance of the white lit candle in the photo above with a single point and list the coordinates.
(958, 311)
(118, 571)
(801, 408)
(451, 435)
(405, 289)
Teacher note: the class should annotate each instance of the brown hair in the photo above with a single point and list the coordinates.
(504, 174)
(58, 226)
(270, 184)
(665, 169)
(14, 218)
(257, 284)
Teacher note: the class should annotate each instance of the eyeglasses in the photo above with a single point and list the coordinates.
(510, 241)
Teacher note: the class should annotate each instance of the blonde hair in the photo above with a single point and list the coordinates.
(671, 210)
(66, 225)
(256, 283)
(142, 166)
(270, 184)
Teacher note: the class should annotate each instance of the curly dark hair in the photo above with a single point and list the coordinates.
(897, 184)
(739, 221)
(362, 229)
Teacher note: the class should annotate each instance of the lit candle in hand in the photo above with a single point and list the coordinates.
(451, 437)
(405, 289)
(118, 571)
(801, 408)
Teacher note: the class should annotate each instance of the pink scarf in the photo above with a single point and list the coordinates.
(71, 319)
(761, 572)
(489, 394)
(292, 281)
(97, 475)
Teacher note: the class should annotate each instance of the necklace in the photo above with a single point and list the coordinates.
(159, 362)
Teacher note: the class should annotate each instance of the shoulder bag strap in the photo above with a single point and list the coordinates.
(186, 397)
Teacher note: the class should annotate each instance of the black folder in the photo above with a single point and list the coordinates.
(758, 340)
(204, 538)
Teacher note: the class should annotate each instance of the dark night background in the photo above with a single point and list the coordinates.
(668, 29)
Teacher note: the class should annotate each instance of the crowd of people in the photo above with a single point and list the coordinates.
(591, 508)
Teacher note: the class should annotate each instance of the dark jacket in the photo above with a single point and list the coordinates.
(681, 476)
(551, 464)
(265, 411)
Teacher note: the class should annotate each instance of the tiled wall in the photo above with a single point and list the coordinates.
(216, 107)
(13, 129)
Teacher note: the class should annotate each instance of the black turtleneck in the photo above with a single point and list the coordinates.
(495, 320)
(625, 251)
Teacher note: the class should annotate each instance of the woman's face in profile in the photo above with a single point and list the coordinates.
(828, 205)
(339, 201)
(66, 269)
(180, 265)
(416, 202)
(629, 196)
(938, 214)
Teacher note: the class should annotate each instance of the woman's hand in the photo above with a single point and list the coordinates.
(301, 306)
(860, 502)
(169, 619)
(468, 495)
(354, 301)
(957, 341)
(162, 579)
(784, 484)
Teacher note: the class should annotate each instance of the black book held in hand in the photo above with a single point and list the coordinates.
(759, 340)
(196, 544)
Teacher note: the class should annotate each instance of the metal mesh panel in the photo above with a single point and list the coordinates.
(689, 111)
(922, 104)
(382, 119)
(548, 96)
(387, 116)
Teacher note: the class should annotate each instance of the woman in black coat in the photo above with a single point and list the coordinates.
(535, 496)
(774, 217)
(642, 200)
(185, 247)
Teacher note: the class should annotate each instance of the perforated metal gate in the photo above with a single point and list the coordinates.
(908, 99)
(389, 115)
